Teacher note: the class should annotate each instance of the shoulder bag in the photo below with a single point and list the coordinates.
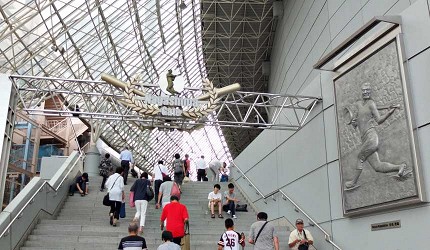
(306, 245)
(149, 192)
(106, 200)
(259, 232)
(162, 174)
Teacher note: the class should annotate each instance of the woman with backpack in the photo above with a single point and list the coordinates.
(142, 194)
(178, 170)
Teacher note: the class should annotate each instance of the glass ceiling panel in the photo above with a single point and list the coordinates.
(82, 39)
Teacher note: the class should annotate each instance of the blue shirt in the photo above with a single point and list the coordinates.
(126, 156)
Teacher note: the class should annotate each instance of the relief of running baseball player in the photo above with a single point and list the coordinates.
(364, 119)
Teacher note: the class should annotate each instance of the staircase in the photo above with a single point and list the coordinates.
(83, 222)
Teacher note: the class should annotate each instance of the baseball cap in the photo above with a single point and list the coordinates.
(299, 221)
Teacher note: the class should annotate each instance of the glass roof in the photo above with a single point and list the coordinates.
(82, 39)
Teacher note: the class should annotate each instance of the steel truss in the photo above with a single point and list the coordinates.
(82, 39)
(102, 101)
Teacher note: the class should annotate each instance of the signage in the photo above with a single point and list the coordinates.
(171, 105)
(385, 225)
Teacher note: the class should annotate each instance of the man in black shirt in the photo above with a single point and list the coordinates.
(81, 185)
(133, 241)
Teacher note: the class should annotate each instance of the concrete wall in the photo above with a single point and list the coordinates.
(305, 164)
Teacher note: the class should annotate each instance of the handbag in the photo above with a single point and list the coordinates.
(149, 193)
(131, 199)
(106, 200)
(306, 245)
(175, 191)
(186, 179)
(122, 210)
(241, 208)
(259, 232)
(185, 241)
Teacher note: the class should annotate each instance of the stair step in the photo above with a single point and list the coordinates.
(83, 222)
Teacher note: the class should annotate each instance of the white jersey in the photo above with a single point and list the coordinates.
(230, 240)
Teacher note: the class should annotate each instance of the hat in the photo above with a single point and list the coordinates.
(299, 221)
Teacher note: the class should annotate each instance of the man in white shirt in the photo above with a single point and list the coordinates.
(300, 236)
(159, 171)
(215, 199)
(126, 158)
(201, 168)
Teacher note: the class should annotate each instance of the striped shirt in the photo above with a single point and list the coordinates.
(132, 242)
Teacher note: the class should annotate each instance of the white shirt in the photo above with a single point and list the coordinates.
(126, 156)
(230, 240)
(296, 235)
(157, 172)
(213, 196)
(215, 164)
(115, 186)
(201, 164)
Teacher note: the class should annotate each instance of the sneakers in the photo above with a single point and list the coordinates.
(229, 212)
(234, 217)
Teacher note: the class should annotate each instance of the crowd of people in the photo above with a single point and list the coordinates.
(174, 215)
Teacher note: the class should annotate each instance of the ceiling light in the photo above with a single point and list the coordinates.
(183, 6)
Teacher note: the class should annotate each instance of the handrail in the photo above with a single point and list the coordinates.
(327, 236)
(62, 123)
(250, 182)
(18, 215)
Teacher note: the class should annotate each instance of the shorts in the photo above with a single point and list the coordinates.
(215, 205)
(370, 143)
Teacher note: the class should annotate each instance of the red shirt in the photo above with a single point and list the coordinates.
(187, 163)
(175, 213)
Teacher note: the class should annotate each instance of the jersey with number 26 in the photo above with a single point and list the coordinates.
(230, 240)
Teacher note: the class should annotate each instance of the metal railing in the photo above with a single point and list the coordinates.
(327, 236)
(55, 125)
(31, 199)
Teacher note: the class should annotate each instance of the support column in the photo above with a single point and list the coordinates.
(26, 153)
(35, 157)
(92, 161)
(92, 158)
(68, 127)
(8, 102)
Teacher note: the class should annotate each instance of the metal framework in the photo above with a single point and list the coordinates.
(244, 110)
(225, 41)
(237, 37)
(82, 39)
(100, 103)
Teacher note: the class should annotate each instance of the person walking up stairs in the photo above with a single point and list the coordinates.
(83, 222)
